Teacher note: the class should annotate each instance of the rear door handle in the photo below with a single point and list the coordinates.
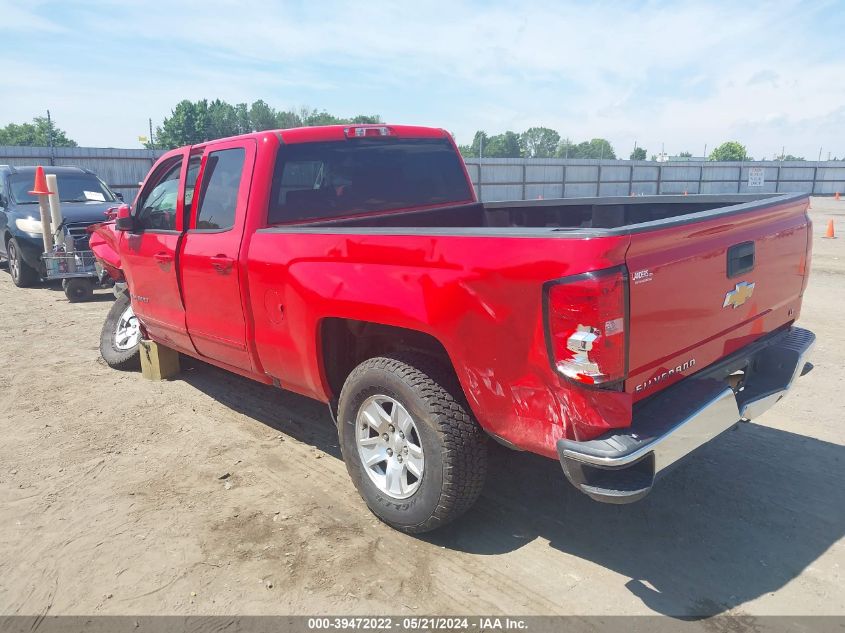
(222, 264)
(163, 258)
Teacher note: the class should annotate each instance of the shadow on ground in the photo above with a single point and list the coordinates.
(741, 519)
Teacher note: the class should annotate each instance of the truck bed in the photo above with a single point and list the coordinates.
(580, 216)
(472, 265)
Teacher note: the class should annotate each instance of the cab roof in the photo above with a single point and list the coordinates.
(320, 133)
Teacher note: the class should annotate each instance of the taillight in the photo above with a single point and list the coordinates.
(586, 322)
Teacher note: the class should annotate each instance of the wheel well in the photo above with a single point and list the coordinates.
(346, 343)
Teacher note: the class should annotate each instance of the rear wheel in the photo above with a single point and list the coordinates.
(411, 446)
(23, 275)
(121, 336)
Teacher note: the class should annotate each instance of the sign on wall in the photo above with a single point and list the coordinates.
(756, 176)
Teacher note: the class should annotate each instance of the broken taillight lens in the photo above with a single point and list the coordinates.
(586, 326)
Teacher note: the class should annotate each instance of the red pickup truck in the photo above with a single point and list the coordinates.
(354, 265)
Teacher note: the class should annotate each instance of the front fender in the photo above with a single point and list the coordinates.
(104, 243)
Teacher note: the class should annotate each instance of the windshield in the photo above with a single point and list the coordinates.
(331, 179)
(74, 187)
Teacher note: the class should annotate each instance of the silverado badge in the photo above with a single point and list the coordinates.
(738, 295)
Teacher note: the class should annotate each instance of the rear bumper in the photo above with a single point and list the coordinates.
(622, 466)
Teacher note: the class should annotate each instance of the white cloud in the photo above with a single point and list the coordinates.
(683, 73)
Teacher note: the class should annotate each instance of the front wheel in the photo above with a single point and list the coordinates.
(411, 446)
(23, 275)
(121, 336)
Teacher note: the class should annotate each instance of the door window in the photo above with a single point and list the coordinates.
(156, 210)
(190, 185)
(218, 197)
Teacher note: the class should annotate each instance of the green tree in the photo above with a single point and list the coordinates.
(505, 145)
(596, 148)
(262, 116)
(566, 148)
(539, 142)
(222, 120)
(791, 157)
(195, 122)
(639, 153)
(685, 155)
(35, 134)
(186, 125)
(321, 117)
(366, 118)
(242, 117)
(478, 145)
(729, 150)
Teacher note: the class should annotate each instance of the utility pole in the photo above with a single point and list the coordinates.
(152, 141)
(50, 138)
(705, 151)
(820, 154)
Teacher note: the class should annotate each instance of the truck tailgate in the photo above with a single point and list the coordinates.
(702, 289)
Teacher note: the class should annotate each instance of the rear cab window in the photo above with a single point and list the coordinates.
(343, 178)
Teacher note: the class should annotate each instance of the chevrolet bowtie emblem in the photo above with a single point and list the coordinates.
(738, 295)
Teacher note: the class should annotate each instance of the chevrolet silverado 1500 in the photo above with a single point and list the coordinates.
(354, 265)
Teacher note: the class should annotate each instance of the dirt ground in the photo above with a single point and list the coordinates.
(114, 498)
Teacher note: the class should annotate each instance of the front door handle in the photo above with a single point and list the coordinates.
(222, 264)
(163, 257)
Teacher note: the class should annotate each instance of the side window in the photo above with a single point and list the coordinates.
(156, 210)
(218, 197)
(190, 185)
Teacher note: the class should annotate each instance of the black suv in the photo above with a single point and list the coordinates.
(84, 197)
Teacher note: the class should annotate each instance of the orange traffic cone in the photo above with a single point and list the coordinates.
(40, 186)
(829, 232)
(836, 196)
(685, 192)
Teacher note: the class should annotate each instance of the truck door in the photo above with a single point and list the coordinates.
(210, 263)
(149, 252)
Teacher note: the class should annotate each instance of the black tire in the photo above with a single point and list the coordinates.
(454, 445)
(23, 275)
(116, 358)
(78, 289)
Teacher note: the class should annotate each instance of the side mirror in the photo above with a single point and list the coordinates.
(124, 220)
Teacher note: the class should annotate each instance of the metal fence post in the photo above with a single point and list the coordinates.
(524, 182)
(563, 180)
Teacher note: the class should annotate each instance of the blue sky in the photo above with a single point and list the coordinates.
(683, 74)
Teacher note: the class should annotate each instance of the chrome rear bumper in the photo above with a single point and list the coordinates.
(622, 466)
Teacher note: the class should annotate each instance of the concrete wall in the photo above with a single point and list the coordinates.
(122, 169)
(530, 178)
